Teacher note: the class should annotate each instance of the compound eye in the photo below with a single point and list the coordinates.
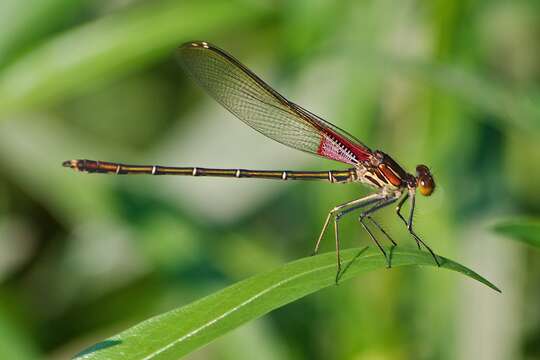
(426, 185)
(422, 170)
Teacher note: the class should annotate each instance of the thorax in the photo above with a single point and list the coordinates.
(382, 172)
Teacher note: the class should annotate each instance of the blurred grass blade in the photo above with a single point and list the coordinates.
(24, 22)
(15, 343)
(524, 230)
(518, 109)
(112, 46)
(180, 331)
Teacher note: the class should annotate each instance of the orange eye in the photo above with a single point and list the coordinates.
(424, 180)
(426, 185)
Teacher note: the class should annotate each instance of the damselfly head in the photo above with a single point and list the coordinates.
(424, 180)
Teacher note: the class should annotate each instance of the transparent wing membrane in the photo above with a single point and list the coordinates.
(254, 102)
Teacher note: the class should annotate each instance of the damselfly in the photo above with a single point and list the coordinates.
(254, 102)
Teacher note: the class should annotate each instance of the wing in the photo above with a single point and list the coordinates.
(254, 102)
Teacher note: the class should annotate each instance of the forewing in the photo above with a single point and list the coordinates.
(254, 102)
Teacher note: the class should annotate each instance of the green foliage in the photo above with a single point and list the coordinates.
(525, 230)
(452, 84)
(180, 331)
(116, 45)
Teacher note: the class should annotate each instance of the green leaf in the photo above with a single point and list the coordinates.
(517, 109)
(15, 343)
(524, 230)
(513, 108)
(110, 47)
(180, 331)
(26, 22)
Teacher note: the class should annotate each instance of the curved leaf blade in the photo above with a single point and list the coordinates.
(25, 23)
(110, 47)
(524, 230)
(180, 331)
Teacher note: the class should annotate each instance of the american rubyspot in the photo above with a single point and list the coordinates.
(254, 102)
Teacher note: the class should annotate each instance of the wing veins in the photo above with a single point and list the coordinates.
(254, 102)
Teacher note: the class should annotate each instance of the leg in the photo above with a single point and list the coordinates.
(398, 212)
(337, 213)
(367, 214)
(381, 229)
(342, 209)
(399, 205)
(411, 214)
(337, 249)
(416, 237)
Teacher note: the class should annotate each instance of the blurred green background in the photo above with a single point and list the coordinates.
(453, 84)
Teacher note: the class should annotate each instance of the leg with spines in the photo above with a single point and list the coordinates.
(380, 200)
(336, 213)
(367, 215)
(409, 224)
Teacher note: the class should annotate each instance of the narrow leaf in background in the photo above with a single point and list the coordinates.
(26, 22)
(524, 230)
(116, 45)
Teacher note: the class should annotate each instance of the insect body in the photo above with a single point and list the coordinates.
(258, 105)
